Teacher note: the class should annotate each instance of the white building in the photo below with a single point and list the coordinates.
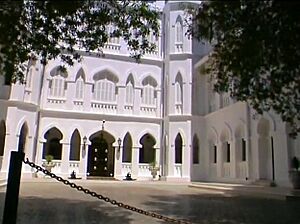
(161, 109)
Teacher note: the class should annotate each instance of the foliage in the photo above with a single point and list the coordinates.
(49, 158)
(295, 163)
(256, 52)
(64, 29)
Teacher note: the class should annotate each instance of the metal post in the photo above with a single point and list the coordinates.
(12, 189)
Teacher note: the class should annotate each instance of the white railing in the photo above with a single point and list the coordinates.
(178, 170)
(108, 108)
(144, 170)
(56, 100)
(73, 166)
(148, 110)
(226, 169)
(112, 47)
(56, 165)
(242, 170)
(126, 168)
(128, 109)
(213, 170)
(179, 47)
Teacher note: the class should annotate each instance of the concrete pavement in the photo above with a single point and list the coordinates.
(47, 201)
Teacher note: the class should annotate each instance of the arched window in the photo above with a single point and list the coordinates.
(79, 85)
(127, 149)
(179, 30)
(149, 93)
(195, 150)
(178, 89)
(2, 137)
(178, 149)
(105, 87)
(129, 90)
(52, 146)
(75, 146)
(147, 152)
(58, 83)
(28, 82)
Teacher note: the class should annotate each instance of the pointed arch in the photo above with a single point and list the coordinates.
(52, 146)
(178, 148)
(127, 148)
(75, 146)
(149, 93)
(57, 82)
(79, 83)
(129, 90)
(147, 151)
(179, 30)
(196, 152)
(178, 89)
(2, 137)
(104, 88)
(23, 138)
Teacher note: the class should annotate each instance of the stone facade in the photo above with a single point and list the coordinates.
(109, 116)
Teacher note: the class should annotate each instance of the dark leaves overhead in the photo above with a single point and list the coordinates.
(52, 29)
(256, 52)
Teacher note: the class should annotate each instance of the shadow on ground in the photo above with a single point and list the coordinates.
(222, 209)
(55, 211)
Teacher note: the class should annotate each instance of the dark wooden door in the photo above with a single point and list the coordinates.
(98, 158)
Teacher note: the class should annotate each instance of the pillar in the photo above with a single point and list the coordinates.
(65, 159)
(135, 161)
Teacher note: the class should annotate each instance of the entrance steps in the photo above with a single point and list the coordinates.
(263, 182)
(100, 178)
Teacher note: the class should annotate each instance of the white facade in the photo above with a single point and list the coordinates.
(162, 109)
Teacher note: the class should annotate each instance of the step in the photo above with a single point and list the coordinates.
(3, 182)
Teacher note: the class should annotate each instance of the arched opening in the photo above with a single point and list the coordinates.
(129, 90)
(80, 77)
(195, 149)
(52, 146)
(2, 137)
(22, 138)
(178, 149)
(75, 146)
(264, 149)
(101, 155)
(127, 149)
(147, 152)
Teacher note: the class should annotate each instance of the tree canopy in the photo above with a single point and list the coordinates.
(61, 29)
(256, 52)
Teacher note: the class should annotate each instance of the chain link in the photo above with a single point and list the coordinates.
(101, 197)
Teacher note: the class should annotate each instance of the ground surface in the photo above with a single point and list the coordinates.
(50, 202)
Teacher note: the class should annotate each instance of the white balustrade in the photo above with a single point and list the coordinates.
(144, 170)
(178, 170)
(107, 108)
(179, 47)
(148, 110)
(73, 166)
(126, 168)
(56, 166)
(56, 101)
(178, 108)
(128, 109)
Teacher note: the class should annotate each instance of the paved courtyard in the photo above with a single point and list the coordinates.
(50, 202)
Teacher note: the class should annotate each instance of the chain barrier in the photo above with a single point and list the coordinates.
(104, 198)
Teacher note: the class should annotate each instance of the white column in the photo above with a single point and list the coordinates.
(83, 161)
(135, 161)
(220, 160)
(137, 101)
(254, 156)
(186, 149)
(171, 160)
(65, 159)
(157, 158)
(118, 162)
(233, 158)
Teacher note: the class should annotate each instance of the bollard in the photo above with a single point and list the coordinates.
(12, 189)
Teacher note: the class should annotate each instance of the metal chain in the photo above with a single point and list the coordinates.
(104, 198)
